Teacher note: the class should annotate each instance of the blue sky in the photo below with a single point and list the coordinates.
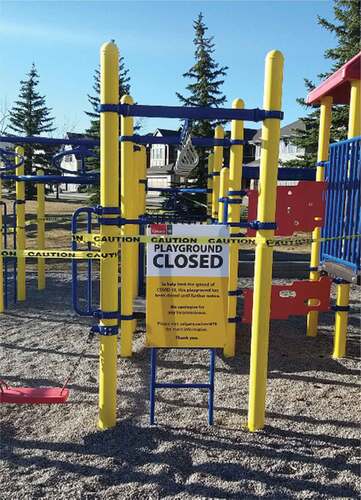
(155, 37)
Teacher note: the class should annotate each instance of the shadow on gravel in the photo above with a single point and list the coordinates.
(118, 457)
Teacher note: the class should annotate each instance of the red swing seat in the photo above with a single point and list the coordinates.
(31, 395)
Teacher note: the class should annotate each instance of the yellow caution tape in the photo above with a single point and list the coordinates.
(98, 239)
(140, 238)
(57, 254)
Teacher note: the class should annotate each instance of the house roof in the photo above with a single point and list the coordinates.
(286, 131)
(337, 85)
(76, 135)
(249, 133)
(166, 132)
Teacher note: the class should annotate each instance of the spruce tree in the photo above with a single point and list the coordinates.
(207, 78)
(346, 29)
(31, 116)
(94, 100)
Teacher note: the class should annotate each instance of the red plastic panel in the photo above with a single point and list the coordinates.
(292, 300)
(30, 395)
(298, 208)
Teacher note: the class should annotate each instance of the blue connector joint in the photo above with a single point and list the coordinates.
(256, 224)
(105, 331)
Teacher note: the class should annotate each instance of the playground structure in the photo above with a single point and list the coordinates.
(272, 212)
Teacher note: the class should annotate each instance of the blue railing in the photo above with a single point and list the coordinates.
(342, 217)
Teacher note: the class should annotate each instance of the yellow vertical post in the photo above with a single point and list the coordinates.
(20, 223)
(142, 180)
(109, 197)
(322, 155)
(2, 304)
(217, 165)
(138, 191)
(343, 289)
(128, 250)
(40, 237)
(234, 214)
(223, 193)
(267, 192)
(209, 185)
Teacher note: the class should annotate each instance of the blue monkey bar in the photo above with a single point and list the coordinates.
(14, 139)
(191, 112)
(343, 176)
(53, 179)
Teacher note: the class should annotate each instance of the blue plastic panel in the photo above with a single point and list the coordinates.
(343, 176)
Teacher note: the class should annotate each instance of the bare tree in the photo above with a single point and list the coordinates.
(4, 116)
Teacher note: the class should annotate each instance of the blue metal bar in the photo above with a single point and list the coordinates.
(176, 385)
(284, 173)
(212, 370)
(334, 177)
(153, 378)
(225, 210)
(338, 144)
(349, 222)
(74, 263)
(328, 194)
(192, 113)
(53, 179)
(141, 265)
(14, 139)
(341, 201)
(89, 282)
(356, 247)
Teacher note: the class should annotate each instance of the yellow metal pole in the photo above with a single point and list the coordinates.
(138, 190)
(210, 185)
(322, 155)
(2, 305)
(267, 192)
(234, 214)
(217, 165)
(343, 289)
(109, 197)
(223, 193)
(129, 251)
(341, 320)
(142, 180)
(40, 240)
(20, 224)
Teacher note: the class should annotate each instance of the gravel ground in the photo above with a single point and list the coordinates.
(307, 450)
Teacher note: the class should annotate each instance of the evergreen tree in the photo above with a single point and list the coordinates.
(346, 29)
(207, 78)
(94, 100)
(31, 116)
